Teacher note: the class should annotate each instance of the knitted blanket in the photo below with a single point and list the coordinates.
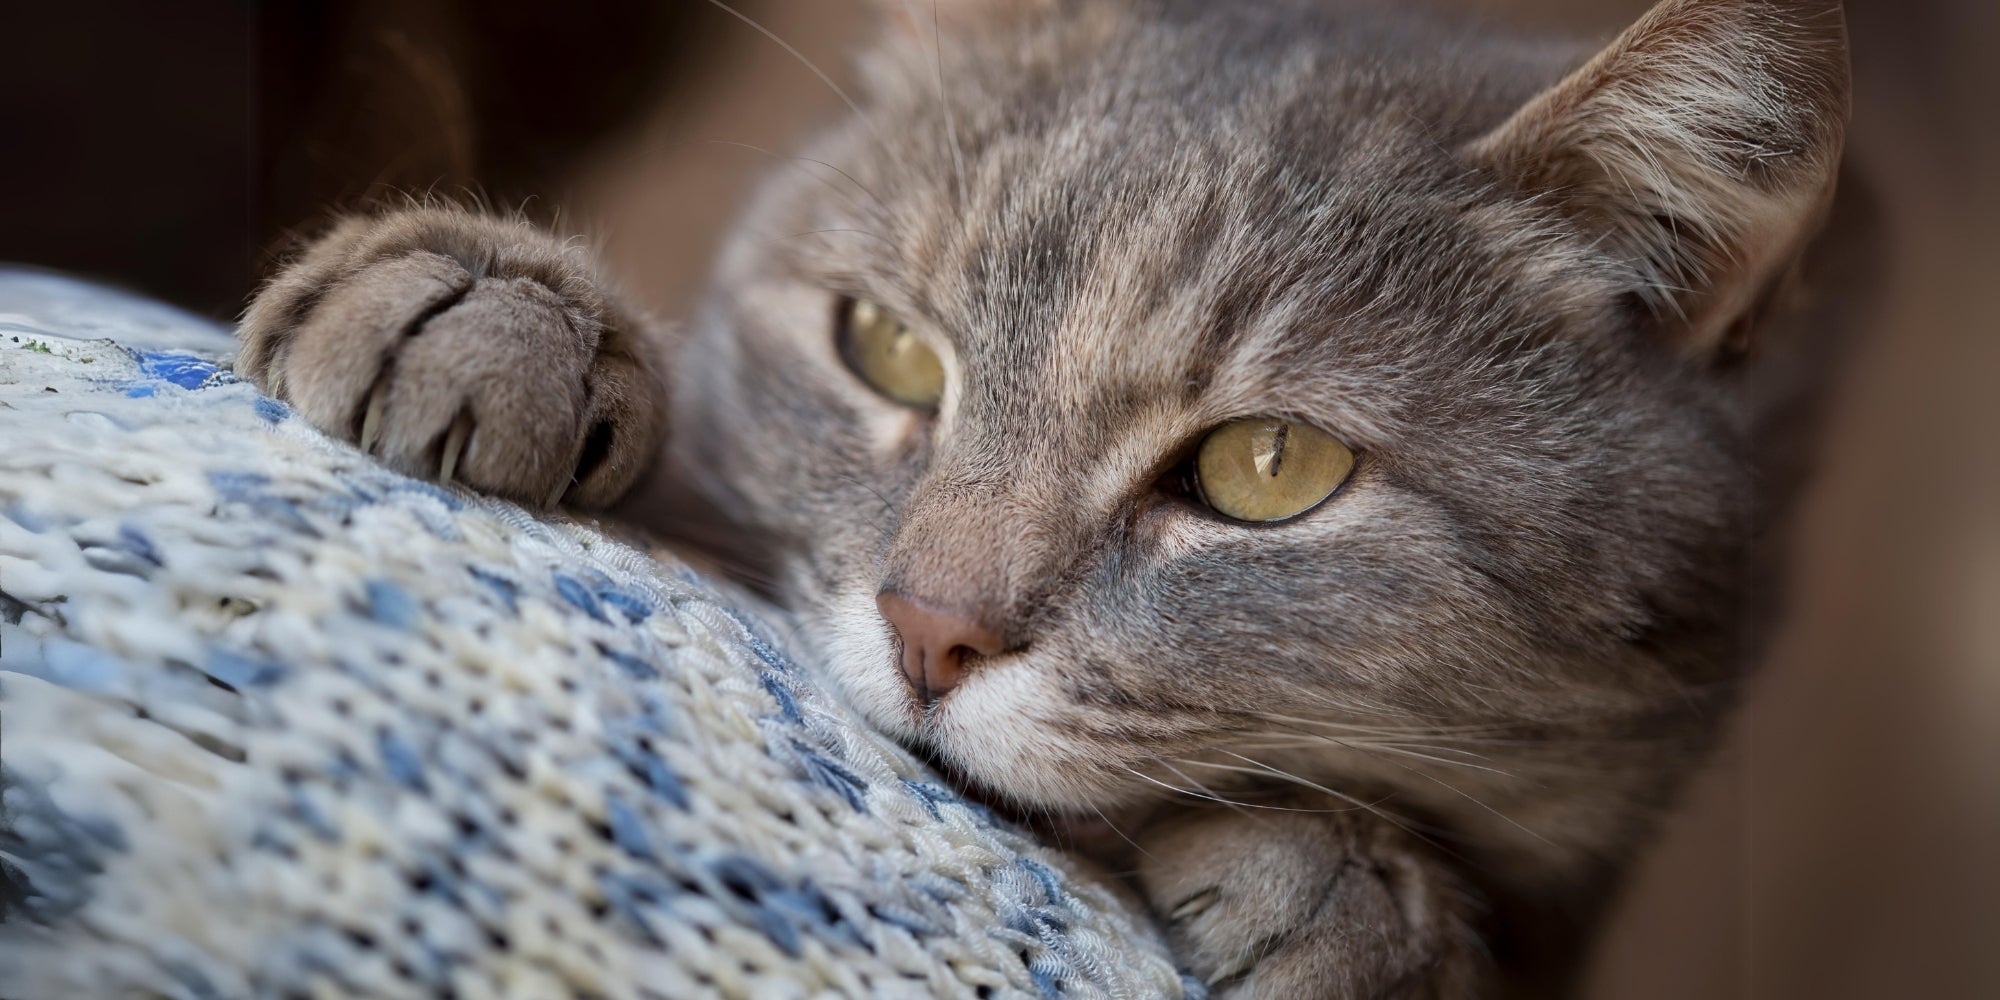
(277, 722)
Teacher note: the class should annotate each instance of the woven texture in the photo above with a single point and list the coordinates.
(277, 722)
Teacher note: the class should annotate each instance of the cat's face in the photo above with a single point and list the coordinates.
(1119, 228)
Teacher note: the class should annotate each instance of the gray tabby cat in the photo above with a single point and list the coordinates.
(1335, 450)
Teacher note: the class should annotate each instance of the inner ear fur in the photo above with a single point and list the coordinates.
(1700, 148)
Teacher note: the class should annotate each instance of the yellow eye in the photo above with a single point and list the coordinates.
(1266, 469)
(882, 350)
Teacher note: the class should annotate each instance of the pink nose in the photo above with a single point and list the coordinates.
(936, 642)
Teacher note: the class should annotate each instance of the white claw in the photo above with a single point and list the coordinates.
(371, 419)
(454, 446)
(1194, 905)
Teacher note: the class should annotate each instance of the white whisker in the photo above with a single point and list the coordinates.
(1414, 730)
(1371, 744)
(1121, 834)
(1373, 808)
(820, 232)
(1209, 796)
(803, 61)
(789, 161)
(944, 104)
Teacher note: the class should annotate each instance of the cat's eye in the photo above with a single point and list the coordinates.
(888, 356)
(1268, 469)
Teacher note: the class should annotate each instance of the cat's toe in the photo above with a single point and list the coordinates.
(335, 367)
(462, 349)
(1311, 903)
(493, 391)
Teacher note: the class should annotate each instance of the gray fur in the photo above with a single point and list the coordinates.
(1445, 706)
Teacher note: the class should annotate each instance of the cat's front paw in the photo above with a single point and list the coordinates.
(1301, 905)
(463, 348)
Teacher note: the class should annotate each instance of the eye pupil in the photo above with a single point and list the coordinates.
(1270, 460)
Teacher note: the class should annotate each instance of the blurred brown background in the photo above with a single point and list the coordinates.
(1846, 844)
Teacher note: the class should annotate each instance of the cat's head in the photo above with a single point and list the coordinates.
(1134, 394)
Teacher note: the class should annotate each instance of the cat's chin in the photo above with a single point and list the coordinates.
(1004, 731)
(1099, 832)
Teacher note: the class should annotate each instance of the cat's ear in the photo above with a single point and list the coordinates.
(1700, 147)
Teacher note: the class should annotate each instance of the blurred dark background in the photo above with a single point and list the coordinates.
(1846, 843)
(168, 146)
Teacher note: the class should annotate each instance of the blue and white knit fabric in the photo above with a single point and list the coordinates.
(276, 722)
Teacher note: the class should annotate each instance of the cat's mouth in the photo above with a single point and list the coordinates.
(968, 786)
(1009, 734)
(1103, 835)
(1053, 824)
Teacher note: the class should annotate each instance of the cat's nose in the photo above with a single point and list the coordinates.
(936, 642)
